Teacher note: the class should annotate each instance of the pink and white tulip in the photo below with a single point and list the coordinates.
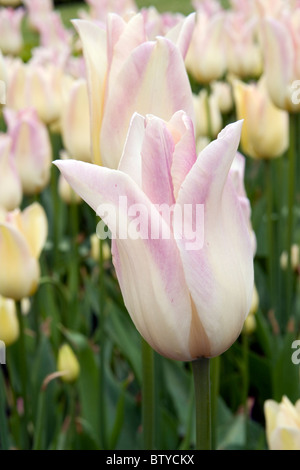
(134, 75)
(31, 149)
(11, 39)
(186, 302)
(38, 86)
(281, 45)
(243, 50)
(10, 188)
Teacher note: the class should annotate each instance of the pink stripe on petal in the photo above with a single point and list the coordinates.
(149, 270)
(152, 81)
(219, 274)
(157, 154)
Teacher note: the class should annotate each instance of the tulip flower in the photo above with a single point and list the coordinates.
(75, 122)
(100, 10)
(265, 132)
(250, 322)
(22, 237)
(34, 85)
(243, 51)
(10, 188)
(282, 424)
(135, 75)
(223, 93)
(67, 362)
(11, 40)
(282, 58)
(206, 60)
(295, 258)
(38, 10)
(181, 244)
(9, 325)
(31, 149)
(208, 116)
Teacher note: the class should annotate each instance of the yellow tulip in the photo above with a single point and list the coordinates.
(282, 424)
(265, 133)
(67, 362)
(22, 237)
(9, 325)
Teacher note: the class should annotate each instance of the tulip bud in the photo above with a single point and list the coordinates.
(295, 258)
(265, 132)
(31, 149)
(250, 322)
(208, 117)
(67, 362)
(223, 93)
(95, 248)
(22, 237)
(282, 424)
(75, 122)
(10, 188)
(9, 325)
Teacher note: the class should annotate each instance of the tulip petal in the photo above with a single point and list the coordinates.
(122, 39)
(219, 274)
(35, 228)
(149, 270)
(153, 80)
(181, 34)
(19, 273)
(184, 157)
(279, 57)
(94, 48)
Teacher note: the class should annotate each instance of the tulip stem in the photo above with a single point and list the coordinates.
(148, 396)
(270, 231)
(201, 372)
(291, 200)
(23, 368)
(102, 321)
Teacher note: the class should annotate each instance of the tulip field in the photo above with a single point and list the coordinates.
(150, 226)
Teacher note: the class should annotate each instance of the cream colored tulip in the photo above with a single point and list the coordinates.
(95, 248)
(11, 39)
(75, 122)
(250, 322)
(282, 424)
(208, 118)
(265, 132)
(10, 187)
(295, 258)
(67, 362)
(206, 59)
(9, 325)
(22, 237)
(31, 148)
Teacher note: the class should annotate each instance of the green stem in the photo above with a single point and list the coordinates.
(201, 372)
(23, 371)
(55, 214)
(102, 338)
(270, 231)
(148, 410)
(215, 389)
(208, 113)
(245, 372)
(4, 437)
(291, 202)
